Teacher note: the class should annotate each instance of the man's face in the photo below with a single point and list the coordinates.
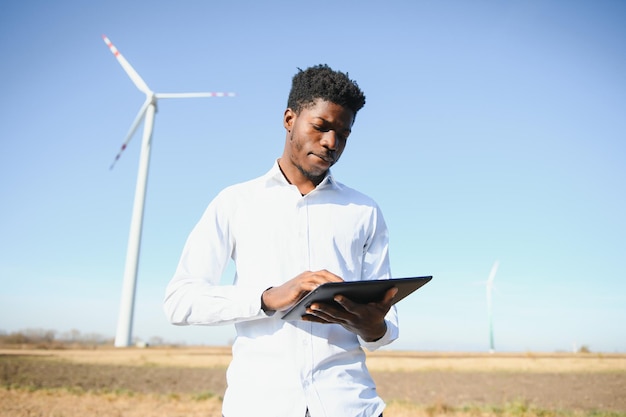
(317, 137)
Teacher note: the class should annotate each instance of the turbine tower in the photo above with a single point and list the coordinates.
(123, 337)
(492, 275)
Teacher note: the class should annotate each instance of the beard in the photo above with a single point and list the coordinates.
(314, 177)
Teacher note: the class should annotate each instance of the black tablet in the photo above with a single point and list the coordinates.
(357, 291)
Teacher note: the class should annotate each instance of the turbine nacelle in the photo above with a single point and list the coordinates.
(151, 96)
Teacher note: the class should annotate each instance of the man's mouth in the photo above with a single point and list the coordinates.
(326, 158)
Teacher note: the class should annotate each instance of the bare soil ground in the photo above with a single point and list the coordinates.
(190, 381)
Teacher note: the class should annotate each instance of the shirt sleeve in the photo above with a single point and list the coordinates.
(194, 294)
(392, 332)
(376, 266)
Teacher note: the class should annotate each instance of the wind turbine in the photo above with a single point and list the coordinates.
(146, 113)
(492, 275)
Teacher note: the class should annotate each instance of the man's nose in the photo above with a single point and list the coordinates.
(330, 140)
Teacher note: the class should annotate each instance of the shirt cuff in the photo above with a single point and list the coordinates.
(246, 305)
(390, 335)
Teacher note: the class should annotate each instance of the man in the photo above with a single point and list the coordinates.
(288, 232)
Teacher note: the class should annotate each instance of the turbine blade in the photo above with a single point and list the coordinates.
(134, 76)
(133, 128)
(492, 274)
(193, 95)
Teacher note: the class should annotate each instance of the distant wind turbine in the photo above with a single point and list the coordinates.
(492, 275)
(146, 113)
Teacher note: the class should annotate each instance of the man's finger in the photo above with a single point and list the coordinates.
(328, 276)
(389, 296)
(318, 314)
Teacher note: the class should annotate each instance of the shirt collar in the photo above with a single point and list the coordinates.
(275, 174)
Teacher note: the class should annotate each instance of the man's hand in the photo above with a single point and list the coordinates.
(365, 320)
(283, 297)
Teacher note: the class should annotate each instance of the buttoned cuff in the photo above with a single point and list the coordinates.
(390, 335)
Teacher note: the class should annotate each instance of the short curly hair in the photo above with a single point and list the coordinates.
(322, 82)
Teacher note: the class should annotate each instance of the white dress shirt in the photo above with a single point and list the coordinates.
(273, 233)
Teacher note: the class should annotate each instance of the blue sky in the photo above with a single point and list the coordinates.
(492, 131)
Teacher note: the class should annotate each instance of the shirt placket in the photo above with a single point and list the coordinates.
(306, 354)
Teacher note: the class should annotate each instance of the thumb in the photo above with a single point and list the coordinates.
(389, 296)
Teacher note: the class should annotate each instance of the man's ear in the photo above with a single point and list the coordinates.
(288, 118)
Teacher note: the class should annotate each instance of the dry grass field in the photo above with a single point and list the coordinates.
(189, 382)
